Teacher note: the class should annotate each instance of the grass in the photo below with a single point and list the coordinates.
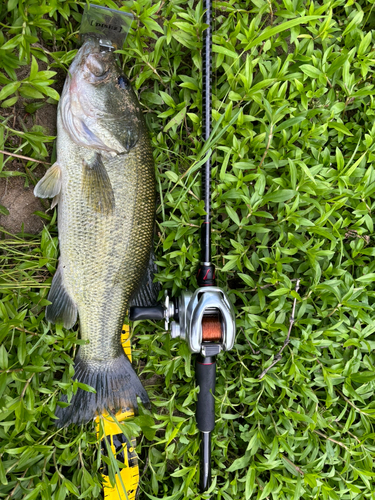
(293, 194)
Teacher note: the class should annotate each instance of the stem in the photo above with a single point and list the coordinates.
(15, 488)
(286, 341)
(26, 385)
(23, 157)
(267, 147)
(293, 465)
(331, 439)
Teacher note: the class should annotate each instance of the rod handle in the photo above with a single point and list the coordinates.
(205, 462)
(205, 374)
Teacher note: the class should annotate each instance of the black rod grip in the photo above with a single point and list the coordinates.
(205, 372)
(155, 313)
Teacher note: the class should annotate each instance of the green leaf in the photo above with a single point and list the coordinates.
(250, 483)
(167, 99)
(298, 417)
(365, 42)
(311, 71)
(176, 120)
(363, 377)
(12, 4)
(3, 478)
(240, 463)
(176, 496)
(35, 493)
(9, 89)
(51, 93)
(30, 92)
(3, 358)
(12, 42)
(339, 160)
(289, 123)
(279, 196)
(34, 68)
(9, 102)
(280, 291)
(233, 215)
(357, 19)
(340, 127)
(21, 351)
(40, 9)
(247, 279)
(279, 29)
(181, 472)
(366, 278)
(4, 210)
(84, 387)
(3, 382)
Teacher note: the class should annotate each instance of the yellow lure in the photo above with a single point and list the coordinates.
(130, 473)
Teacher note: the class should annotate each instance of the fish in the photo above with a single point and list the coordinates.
(103, 182)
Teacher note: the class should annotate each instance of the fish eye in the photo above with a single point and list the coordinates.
(123, 82)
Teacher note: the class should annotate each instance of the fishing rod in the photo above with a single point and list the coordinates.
(205, 319)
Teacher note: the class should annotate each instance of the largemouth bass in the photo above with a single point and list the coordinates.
(103, 181)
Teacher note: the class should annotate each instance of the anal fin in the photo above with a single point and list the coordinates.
(50, 184)
(96, 186)
(63, 309)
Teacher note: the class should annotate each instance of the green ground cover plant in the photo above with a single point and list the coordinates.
(293, 193)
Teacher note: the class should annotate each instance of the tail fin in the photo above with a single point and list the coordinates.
(117, 387)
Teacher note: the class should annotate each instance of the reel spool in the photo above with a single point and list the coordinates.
(211, 329)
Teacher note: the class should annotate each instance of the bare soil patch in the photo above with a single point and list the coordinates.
(15, 193)
(21, 203)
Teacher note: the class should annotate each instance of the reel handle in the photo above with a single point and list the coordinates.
(155, 313)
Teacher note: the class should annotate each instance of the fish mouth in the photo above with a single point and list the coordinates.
(94, 62)
(97, 65)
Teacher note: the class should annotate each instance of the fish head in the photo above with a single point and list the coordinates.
(98, 106)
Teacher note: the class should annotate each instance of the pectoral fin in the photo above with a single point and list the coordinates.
(131, 139)
(50, 185)
(96, 186)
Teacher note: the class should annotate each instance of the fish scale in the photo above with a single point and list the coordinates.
(104, 183)
(105, 256)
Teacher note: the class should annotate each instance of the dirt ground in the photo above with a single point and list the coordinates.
(16, 193)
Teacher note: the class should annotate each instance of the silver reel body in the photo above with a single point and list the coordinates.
(190, 311)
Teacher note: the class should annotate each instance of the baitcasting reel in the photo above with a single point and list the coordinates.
(204, 319)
